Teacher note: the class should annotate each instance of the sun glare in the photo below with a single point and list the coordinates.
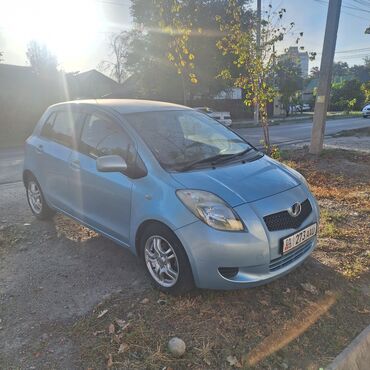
(67, 27)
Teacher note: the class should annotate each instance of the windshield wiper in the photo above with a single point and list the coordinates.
(236, 155)
(213, 160)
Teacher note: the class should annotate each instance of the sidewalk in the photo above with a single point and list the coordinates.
(301, 118)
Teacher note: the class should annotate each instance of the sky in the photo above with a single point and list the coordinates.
(78, 31)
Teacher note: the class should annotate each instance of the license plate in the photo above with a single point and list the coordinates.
(299, 238)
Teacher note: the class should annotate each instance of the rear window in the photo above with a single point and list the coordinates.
(63, 127)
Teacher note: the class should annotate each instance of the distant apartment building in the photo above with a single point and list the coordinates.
(301, 58)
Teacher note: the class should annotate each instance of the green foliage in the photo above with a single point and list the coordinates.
(42, 61)
(153, 56)
(179, 28)
(346, 96)
(255, 66)
(365, 88)
(289, 81)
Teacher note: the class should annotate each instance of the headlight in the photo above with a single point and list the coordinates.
(211, 209)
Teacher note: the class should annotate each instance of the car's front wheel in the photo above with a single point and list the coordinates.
(165, 260)
(36, 199)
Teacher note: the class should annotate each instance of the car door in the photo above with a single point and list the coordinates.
(102, 199)
(57, 139)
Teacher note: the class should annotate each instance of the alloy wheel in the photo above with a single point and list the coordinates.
(161, 261)
(34, 197)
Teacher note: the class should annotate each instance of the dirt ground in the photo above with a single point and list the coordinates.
(70, 299)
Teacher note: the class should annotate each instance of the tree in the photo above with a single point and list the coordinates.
(360, 72)
(256, 67)
(148, 53)
(174, 22)
(315, 72)
(365, 88)
(340, 71)
(42, 61)
(1, 56)
(288, 80)
(120, 45)
(346, 96)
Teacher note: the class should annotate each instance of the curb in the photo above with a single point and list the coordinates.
(356, 356)
(278, 121)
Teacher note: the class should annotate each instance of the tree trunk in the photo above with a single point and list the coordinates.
(185, 102)
(266, 131)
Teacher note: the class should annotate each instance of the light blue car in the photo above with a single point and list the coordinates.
(191, 198)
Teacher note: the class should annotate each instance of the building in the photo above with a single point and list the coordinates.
(299, 57)
(90, 84)
(24, 96)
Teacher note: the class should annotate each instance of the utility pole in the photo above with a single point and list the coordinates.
(323, 90)
(258, 39)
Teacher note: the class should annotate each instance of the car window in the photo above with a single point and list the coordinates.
(63, 127)
(178, 138)
(101, 136)
(47, 129)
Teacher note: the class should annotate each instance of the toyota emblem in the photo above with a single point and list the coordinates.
(295, 209)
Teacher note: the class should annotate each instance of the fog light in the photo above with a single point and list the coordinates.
(228, 272)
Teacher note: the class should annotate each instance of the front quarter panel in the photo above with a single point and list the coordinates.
(154, 198)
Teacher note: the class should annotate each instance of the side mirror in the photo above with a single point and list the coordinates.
(111, 163)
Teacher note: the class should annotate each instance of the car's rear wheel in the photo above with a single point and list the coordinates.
(36, 199)
(165, 260)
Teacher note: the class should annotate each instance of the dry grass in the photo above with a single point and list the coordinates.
(269, 327)
(340, 181)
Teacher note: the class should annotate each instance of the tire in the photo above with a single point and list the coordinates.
(36, 200)
(172, 258)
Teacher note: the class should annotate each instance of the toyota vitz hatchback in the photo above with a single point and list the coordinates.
(192, 199)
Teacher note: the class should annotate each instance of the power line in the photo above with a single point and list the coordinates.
(351, 51)
(359, 56)
(325, 3)
(351, 7)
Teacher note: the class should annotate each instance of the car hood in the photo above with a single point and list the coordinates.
(241, 182)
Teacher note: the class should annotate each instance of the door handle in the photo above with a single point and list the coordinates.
(40, 149)
(75, 165)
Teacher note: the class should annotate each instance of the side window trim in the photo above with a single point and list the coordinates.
(81, 119)
(54, 114)
(102, 116)
(139, 169)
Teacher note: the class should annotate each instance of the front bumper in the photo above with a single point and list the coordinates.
(256, 253)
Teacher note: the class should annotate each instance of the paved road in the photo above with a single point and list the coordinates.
(11, 163)
(11, 160)
(50, 274)
(293, 132)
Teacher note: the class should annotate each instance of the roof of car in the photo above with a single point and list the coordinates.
(126, 106)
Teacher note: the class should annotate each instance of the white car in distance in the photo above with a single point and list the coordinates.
(366, 111)
(222, 117)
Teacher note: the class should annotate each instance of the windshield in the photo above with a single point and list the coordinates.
(185, 139)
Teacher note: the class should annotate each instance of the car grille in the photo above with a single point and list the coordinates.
(283, 220)
(290, 257)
